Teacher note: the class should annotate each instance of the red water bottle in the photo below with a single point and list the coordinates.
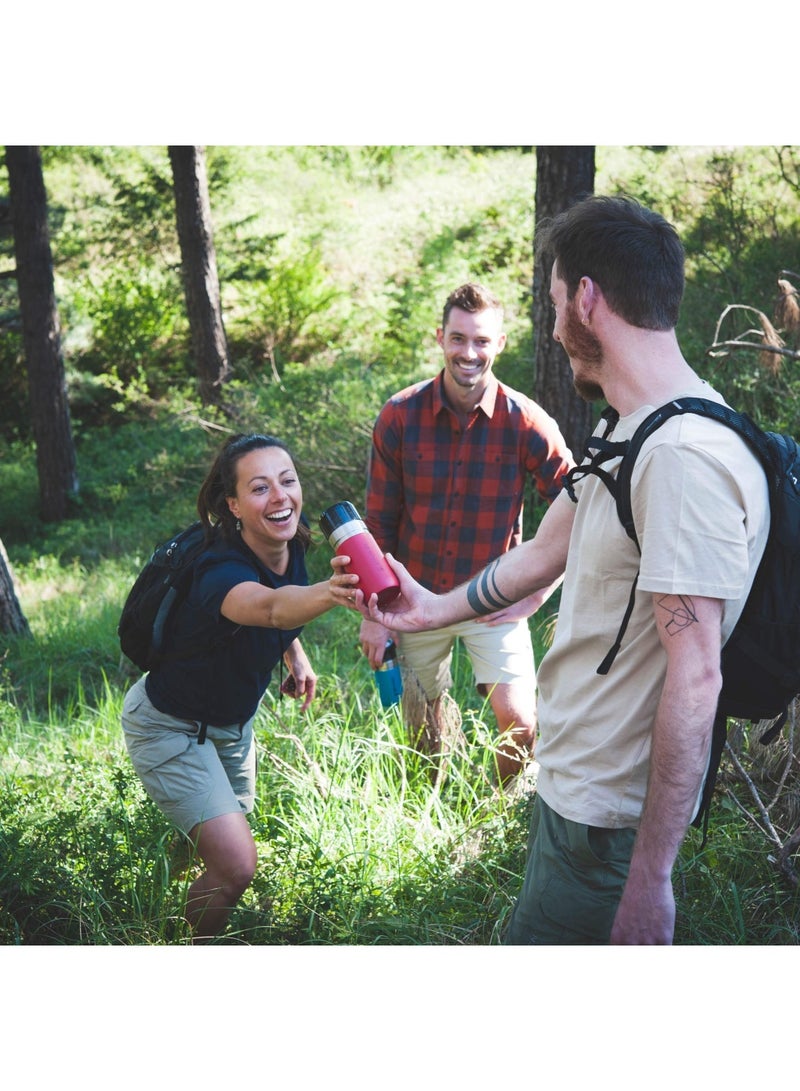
(347, 535)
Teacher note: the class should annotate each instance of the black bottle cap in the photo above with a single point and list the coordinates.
(336, 516)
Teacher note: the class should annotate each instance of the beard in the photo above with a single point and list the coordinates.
(580, 344)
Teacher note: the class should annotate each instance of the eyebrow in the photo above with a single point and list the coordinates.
(263, 477)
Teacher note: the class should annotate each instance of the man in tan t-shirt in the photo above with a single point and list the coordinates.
(622, 755)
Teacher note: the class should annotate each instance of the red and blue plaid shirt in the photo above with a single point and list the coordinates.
(446, 499)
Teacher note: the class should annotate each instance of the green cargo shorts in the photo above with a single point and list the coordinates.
(574, 878)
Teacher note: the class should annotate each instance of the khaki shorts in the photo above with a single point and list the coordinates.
(499, 654)
(574, 879)
(190, 782)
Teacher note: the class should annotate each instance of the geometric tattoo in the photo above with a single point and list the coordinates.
(483, 594)
(682, 617)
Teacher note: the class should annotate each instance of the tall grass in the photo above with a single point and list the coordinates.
(356, 845)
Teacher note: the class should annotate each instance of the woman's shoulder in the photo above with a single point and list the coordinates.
(235, 553)
(221, 553)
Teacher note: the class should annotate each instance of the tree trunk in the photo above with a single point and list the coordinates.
(199, 262)
(12, 619)
(563, 176)
(41, 331)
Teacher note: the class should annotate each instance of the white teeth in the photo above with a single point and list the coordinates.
(285, 514)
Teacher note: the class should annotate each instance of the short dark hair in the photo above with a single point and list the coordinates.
(220, 483)
(631, 252)
(471, 298)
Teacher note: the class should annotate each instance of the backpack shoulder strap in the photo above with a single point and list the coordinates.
(739, 422)
(621, 491)
(597, 450)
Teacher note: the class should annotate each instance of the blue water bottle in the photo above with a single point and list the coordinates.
(388, 678)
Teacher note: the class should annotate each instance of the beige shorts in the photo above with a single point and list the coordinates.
(501, 654)
(189, 781)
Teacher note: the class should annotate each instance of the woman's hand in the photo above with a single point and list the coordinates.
(302, 681)
(343, 585)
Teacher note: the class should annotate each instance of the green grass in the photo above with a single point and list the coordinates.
(356, 846)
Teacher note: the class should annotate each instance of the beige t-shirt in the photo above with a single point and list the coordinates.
(701, 512)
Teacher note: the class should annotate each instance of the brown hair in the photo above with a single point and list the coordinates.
(471, 298)
(220, 483)
(631, 252)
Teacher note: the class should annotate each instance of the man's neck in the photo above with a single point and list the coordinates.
(646, 368)
(462, 400)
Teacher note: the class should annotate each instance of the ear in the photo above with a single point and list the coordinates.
(233, 506)
(501, 343)
(586, 298)
(440, 337)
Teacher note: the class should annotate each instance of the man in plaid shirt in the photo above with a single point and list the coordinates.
(447, 474)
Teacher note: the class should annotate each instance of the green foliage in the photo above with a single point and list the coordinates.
(336, 250)
(134, 315)
(335, 263)
(495, 245)
(729, 894)
(288, 315)
(13, 384)
(84, 856)
(737, 213)
(325, 412)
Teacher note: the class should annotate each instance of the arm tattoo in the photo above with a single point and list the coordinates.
(483, 594)
(681, 617)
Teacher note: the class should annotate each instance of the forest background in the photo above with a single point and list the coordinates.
(334, 263)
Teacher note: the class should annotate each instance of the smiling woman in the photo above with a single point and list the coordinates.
(188, 723)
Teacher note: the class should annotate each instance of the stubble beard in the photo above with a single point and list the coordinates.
(581, 344)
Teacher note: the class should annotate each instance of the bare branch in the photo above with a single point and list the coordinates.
(789, 758)
(762, 810)
(783, 861)
(721, 348)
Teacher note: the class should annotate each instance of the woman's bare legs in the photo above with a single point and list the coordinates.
(228, 852)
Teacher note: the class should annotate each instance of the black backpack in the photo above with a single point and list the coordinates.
(761, 658)
(158, 590)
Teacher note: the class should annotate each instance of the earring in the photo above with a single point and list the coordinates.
(239, 525)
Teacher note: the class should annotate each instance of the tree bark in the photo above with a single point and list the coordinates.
(563, 176)
(199, 264)
(12, 619)
(41, 331)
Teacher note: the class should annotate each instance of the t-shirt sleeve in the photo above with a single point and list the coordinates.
(691, 523)
(215, 577)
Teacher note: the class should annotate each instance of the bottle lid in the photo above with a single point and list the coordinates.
(336, 516)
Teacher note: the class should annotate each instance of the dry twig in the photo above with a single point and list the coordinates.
(782, 858)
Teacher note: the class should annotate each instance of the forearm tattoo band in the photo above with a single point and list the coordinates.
(483, 594)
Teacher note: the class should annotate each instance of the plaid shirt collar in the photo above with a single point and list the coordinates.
(487, 402)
